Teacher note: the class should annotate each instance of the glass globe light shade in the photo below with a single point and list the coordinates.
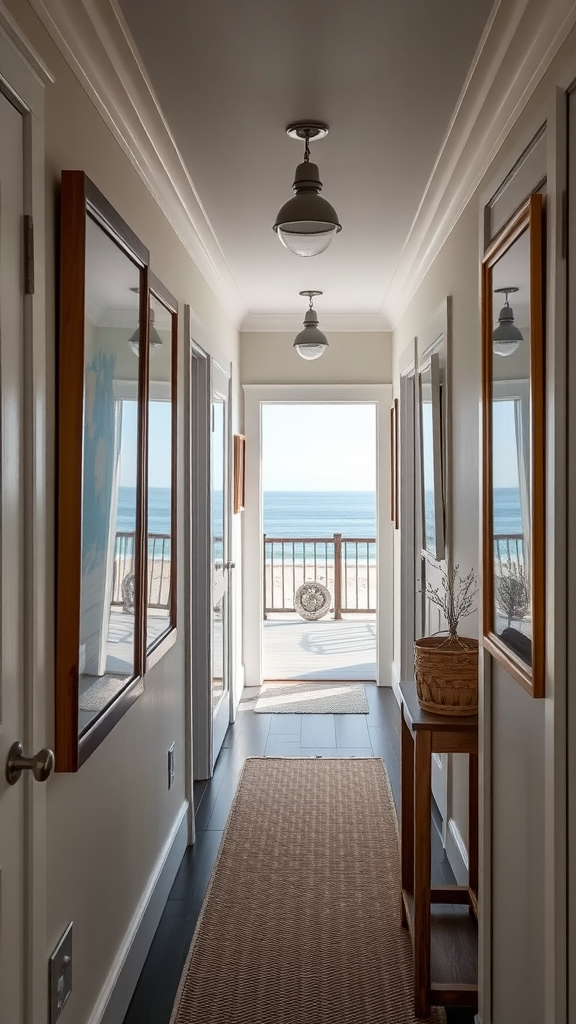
(307, 223)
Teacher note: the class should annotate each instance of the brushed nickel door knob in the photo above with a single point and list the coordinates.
(40, 764)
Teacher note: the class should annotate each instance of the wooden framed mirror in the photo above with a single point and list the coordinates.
(161, 474)
(104, 359)
(431, 436)
(513, 447)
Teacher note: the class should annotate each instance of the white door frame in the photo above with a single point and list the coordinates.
(199, 566)
(220, 383)
(408, 456)
(23, 77)
(255, 395)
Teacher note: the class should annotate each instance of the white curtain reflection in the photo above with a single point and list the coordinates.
(522, 423)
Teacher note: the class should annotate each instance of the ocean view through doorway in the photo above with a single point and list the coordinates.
(319, 528)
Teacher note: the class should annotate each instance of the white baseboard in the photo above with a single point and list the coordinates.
(239, 684)
(457, 853)
(120, 984)
(395, 678)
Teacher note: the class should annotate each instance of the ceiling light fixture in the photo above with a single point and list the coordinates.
(506, 337)
(307, 223)
(155, 340)
(310, 343)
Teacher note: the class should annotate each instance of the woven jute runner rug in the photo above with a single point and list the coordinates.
(301, 922)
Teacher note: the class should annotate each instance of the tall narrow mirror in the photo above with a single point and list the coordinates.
(161, 535)
(513, 408)
(115, 595)
(431, 461)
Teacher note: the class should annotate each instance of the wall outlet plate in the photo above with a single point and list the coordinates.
(60, 974)
(171, 765)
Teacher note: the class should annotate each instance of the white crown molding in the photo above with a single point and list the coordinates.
(352, 323)
(12, 30)
(94, 40)
(519, 42)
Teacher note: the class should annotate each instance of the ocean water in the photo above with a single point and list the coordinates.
(507, 512)
(319, 513)
(309, 513)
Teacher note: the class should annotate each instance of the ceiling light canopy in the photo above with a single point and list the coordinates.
(506, 337)
(307, 223)
(310, 343)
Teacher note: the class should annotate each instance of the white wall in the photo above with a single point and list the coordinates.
(107, 825)
(522, 756)
(362, 358)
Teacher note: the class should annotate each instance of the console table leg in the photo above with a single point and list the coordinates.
(407, 812)
(473, 822)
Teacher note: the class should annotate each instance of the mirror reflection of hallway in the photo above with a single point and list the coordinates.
(319, 541)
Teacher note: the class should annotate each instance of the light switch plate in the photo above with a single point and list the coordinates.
(61, 974)
(171, 765)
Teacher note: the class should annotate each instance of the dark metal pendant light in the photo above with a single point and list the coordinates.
(310, 343)
(307, 223)
(154, 338)
(506, 337)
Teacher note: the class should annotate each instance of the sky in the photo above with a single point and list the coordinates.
(308, 447)
(159, 441)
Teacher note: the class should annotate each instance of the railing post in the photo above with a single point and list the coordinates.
(337, 575)
(272, 570)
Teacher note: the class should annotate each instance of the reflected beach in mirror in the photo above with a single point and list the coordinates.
(109, 469)
(511, 470)
(160, 497)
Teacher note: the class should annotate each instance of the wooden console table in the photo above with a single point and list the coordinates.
(445, 944)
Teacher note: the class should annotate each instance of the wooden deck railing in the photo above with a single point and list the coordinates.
(508, 547)
(345, 565)
(158, 568)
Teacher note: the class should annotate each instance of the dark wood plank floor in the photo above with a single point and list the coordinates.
(376, 734)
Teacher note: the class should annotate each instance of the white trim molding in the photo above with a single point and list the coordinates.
(519, 42)
(457, 852)
(94, 40)
(345, 322)
(12, 31)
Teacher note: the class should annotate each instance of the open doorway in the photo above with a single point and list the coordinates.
(320, 571)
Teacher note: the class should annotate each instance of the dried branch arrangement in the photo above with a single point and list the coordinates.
(454, 596)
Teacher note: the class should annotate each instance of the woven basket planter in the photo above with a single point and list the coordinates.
(447, 675)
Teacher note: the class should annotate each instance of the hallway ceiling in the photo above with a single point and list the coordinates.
(385, 75)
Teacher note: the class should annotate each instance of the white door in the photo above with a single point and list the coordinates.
(18, 801)
(219, 546)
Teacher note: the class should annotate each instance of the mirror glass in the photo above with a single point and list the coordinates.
(511, 461)
(427, 461)
(160, 497)
(431, 468)
(109, 470)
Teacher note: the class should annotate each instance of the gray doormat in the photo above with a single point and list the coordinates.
(312, 699)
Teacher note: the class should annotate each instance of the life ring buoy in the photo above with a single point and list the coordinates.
(312, 600)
